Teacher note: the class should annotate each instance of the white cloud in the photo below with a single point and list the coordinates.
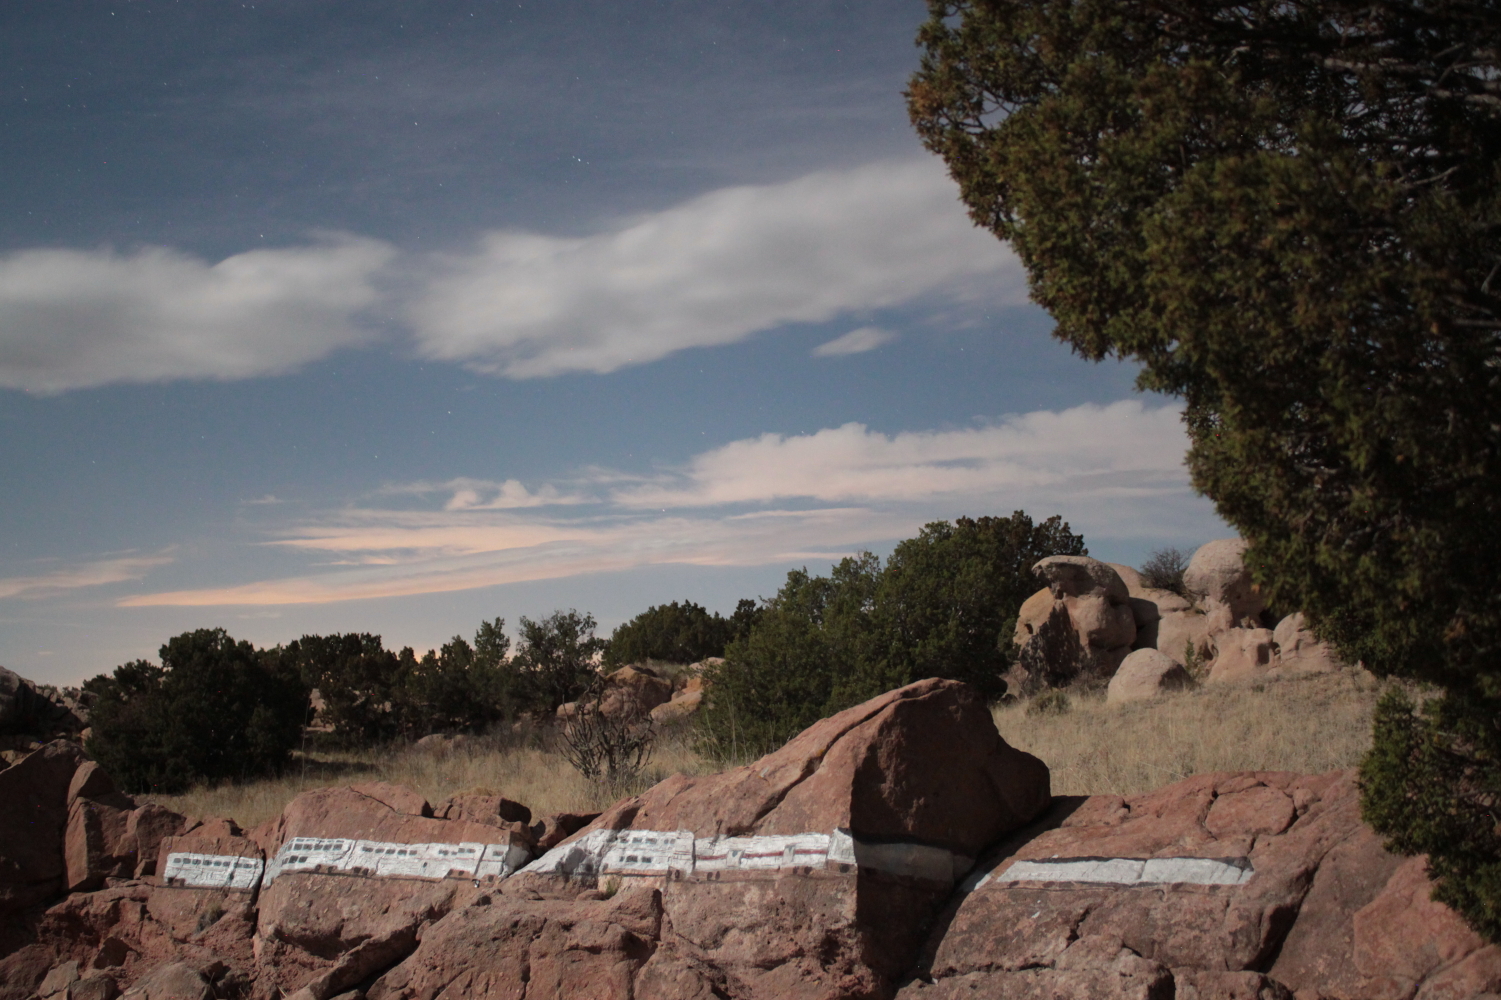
(866, 338)
(71, 318)
(1119, 444)
(91, 574)
(1112, 471)
(711, 271)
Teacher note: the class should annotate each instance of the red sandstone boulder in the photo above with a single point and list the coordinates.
(98, 842)
(807, 874)
(33, 818)
(491, 810)
(354, 874)
(201, 914)
(502, 947)
(1253, 884)
(550, 831)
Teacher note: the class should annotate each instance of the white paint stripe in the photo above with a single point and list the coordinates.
(1129, 871)
(213, 871)
(659, 852)
(385, 859)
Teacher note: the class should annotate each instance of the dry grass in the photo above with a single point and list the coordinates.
(541, 779)
(1308, 724)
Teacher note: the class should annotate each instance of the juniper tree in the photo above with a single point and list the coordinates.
(1289, 213)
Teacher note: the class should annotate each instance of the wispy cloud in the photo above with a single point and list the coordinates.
(484, 494)
(866, 338)
(711, 271)
(71, 319)
(90, 574)
(1112, 470)
(1121, 446)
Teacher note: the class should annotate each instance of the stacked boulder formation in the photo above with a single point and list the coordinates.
(1098, 622)
(898, 849)
(637, 691)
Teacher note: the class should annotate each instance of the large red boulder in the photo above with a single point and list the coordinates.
(810, 873)
(199, 913)
(33, 818)
(1258, 884)
(354, 874)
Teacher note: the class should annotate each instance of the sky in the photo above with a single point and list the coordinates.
(332, 316)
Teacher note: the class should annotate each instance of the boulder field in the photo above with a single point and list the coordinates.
(897, 849)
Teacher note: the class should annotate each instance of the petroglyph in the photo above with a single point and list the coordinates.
(663, 852)
(381, 859)
(212, 871)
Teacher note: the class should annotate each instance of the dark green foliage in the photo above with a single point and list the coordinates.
(676, 633)
(944, 605)
(948, 599)
(215, 709)
(358, 679)
(554, 661)
(1431, 784)
(1290, 214)
(799, 663)
(372, 695)
(458, 687)
(1164, 570)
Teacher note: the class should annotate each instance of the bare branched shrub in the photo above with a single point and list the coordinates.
(615, 749)
(1164, 570)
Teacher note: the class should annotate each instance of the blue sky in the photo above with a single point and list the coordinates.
(373, 316)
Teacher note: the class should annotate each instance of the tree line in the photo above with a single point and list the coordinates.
(943, 604)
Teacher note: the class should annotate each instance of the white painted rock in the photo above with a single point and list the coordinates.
(1300, 651)
(1146, 674)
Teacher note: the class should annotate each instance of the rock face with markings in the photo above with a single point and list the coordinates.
(806, 874)
(1225, 885)
(841, 866)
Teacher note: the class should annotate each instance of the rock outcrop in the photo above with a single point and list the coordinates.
(1219, 631)
(1256, 885)
(39, 711)
(841, 866)
(1145, 674)
(809, 872)
(1084, 597)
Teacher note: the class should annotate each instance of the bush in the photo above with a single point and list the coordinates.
(944, 605)
(215, 709)
(798, 664)
(615, 750)
(676, 633)
(555, 662)
(458, 687)
(358, 679)
(1429, 785)
(1164, 571)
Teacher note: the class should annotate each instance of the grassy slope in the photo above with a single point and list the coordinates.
(1308, 724)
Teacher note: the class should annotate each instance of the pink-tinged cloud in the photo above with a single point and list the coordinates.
(1114, 471)
(91, 574)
